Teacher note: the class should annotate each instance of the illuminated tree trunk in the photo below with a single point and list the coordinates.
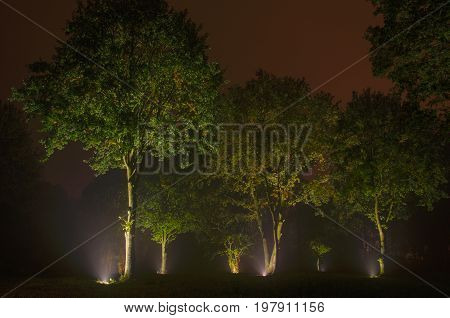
(318, 264)
(233, 263)
(130, 222)
(264, 245)
(277, 233)
(261, 233)
(381, 235)
(163, 269)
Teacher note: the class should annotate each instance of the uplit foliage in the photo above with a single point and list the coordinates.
(163, 211)
(132, 71)
(319, 248)
(389, 154)
(164, 216)
(270, 187)
(417, 61)
(235, 246)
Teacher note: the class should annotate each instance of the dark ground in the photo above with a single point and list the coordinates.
(227, 285)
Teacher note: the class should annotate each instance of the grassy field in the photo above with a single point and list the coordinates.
(227, 285)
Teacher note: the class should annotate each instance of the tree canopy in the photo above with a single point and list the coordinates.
(266, 166)
(390, 154)
(414, 45)
(130, 73)
(126, 64)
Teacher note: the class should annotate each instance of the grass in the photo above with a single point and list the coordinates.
(228, 285)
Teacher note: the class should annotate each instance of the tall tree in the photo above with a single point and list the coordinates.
(18, 156)
(390, 153)
(415, 56)
(18, 183)
(265, 167)
(164, 211)
(130, 72)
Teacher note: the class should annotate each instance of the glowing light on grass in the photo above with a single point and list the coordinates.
(108, 281)
(372, 270)
(260, 270)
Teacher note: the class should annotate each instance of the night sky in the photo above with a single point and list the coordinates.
(311, 39)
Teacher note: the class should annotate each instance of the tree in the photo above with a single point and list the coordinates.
(131, 71)
(416, 60)
(19, 172)
(319, 249)
(224, 227)
(18, 156)
(390, 153)
(163, 211)
(265, 168)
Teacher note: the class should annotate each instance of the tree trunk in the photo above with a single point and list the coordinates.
(264, 245)
(273, 261)
(277, 232)
(233, 263)
(318, 264)
(163, 269)
(131, 224)
(260, 226)
(381, 235)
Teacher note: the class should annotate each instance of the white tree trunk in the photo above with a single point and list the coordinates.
(131, 218)
(381, 236)
(163, 269)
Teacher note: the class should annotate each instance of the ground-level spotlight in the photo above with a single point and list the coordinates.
(108, 281)
(263, 274)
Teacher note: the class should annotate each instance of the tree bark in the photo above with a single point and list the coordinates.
(264, 245)
(163, 269)
(259, 224)
(318, 264)
(277, 233)
(130, 231)
(381, 235)
(233, 263)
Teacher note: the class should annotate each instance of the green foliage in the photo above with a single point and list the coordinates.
(126, 224)
(131, 70)
(319, 248)
(234, 247)
(164, 209)
(418, 60)
(389, 153)
(278, 183)
(225, 229)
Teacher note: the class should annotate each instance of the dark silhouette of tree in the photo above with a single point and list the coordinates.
(131, 72)
(417, 60)
(18, 182)
(18, 156)
(224, 228)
